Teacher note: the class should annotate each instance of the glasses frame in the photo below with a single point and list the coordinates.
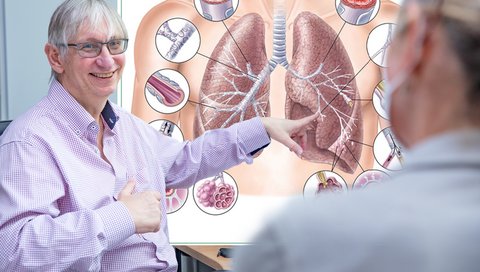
(79, 47)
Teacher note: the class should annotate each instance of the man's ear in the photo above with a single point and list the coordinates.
(416, 34)
(54, 58)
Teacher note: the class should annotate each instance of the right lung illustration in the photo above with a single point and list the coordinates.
(236, 82)
(235, 86)
(319, 82)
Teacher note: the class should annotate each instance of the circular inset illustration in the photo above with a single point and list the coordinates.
(357, 12)
(168, 128)
(175, 199)
(216, 10)
(379, 100)
(378, 43)
(369, 178)
(167, 91)
(388, 151)
(324, 182)
(178, 40)
(216, 195)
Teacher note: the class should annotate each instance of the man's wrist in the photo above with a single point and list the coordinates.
(117, 222)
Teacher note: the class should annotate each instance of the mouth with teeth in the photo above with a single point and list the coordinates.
(103, 75)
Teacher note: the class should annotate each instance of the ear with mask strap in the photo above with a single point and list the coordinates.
(419, 36)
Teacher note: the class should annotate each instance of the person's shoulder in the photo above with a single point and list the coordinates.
(388, 12)
(332, 213)
(317, 231)
(170, 9)
(35, 121)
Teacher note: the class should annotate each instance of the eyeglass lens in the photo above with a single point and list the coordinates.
(93, 49)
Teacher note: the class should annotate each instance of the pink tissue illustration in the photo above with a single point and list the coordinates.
(167, 91)
(216, 193)
(327, 184)
(175, 198)
(369, 178)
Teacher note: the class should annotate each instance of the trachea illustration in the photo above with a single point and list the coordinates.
(167, 91)
(217, 10)
(329, 184)
(179, 39)
(216, 193)
(357, 12)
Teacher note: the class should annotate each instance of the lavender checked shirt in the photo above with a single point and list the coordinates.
(57, 195)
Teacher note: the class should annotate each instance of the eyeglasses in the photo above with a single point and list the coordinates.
(93, 49)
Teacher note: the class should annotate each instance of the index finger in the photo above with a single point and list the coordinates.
(307, 120)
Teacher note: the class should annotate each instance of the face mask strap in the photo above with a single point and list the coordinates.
(394, 84)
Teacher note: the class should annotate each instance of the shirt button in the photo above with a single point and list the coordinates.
(96, 150)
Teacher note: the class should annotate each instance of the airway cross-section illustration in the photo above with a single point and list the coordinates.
(320, 78)
(356, 12)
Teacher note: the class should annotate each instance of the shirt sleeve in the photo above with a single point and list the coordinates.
(215, 151)
(34, 233)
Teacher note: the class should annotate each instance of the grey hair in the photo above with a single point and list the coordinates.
(96, 15)
(461, 22)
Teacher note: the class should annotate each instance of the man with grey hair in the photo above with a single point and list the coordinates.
(426, 219)
(82, 182)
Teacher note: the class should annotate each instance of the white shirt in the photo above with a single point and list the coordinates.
(427, 218)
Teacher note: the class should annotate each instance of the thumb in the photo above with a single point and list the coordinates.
(128, 189)
(292, 145)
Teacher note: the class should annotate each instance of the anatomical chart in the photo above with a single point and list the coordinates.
(223, 63)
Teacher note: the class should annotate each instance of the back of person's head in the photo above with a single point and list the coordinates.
(95, 15)
(460, 20)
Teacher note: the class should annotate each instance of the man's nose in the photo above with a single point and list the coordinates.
(105, 59)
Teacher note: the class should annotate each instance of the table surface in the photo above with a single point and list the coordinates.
(207, 254)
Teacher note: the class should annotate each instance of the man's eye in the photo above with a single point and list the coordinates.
(114, 44)
(89, 46)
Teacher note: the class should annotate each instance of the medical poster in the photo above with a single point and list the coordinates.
(198, 65)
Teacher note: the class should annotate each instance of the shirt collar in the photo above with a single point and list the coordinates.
(76, 116)
(109, 115)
